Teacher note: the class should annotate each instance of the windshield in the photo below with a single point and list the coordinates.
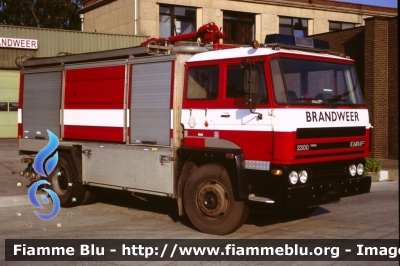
(304, 82)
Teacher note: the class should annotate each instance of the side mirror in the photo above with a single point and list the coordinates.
(253, 99)
(250, 87)
(251, 81)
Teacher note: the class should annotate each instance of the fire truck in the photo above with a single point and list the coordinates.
(217, 127)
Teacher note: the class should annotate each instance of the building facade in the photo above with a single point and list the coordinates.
(19, 43)
(241, 20)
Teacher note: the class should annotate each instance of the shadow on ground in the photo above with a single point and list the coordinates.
(259, 216)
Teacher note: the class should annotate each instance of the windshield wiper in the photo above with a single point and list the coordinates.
(304, 99)
(339, 98)
(314, 100)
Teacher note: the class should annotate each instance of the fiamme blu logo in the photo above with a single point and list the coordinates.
(44, 164)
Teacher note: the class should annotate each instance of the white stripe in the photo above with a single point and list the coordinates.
(128, 118)
(288, 120)
(92, 117)
(172, 118)
(97, 117)
(19, 116)
(279, 120)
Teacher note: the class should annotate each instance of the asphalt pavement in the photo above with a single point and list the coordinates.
(368, 216)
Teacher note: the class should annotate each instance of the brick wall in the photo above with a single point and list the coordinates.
(376, 68)
(393, 85)
(349, 42)
(375, 49)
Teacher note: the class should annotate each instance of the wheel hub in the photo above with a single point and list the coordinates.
(212, 199)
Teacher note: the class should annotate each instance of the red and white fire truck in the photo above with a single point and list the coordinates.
(216, 127)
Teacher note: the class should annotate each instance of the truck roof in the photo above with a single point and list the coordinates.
(249, 51)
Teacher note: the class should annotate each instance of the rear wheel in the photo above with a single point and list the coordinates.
(209, 201)
(64, 182)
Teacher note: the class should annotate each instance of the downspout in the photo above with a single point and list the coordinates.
(82, 17)
(135, 17)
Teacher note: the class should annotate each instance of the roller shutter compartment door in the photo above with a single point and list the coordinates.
(150, 111)
(41, 105)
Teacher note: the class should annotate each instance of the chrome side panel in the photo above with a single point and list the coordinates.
(129, 167)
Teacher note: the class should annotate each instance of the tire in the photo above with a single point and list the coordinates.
(209, 201)
(89, 197)
(64, 182)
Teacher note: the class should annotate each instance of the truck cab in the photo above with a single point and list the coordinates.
(294, 112)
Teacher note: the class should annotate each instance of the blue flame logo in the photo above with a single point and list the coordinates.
(35, 202)
(44, 165)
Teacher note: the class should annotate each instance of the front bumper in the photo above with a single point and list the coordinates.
(317, 194)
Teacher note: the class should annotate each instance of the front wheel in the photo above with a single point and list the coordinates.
(209, 201)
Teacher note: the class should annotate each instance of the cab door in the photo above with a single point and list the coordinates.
(248, 128)
(201, 99)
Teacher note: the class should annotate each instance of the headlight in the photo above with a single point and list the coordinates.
(352, 170)
(360, 169)
(303, 176)
(293, 177)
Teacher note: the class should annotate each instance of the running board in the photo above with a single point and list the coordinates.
(252, 197)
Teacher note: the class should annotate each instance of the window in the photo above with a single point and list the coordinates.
(335, 25)
(299, 81)
(238, 27)
(236, 81)
(13, 106)
(176, 20)
(202, 82)
(3, 107)
(293, 26)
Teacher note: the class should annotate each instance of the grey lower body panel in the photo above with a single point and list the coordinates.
(129, 167)
(132, 167)
(35, 145)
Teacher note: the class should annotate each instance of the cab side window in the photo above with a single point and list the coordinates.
(202, 82)
(236, 80)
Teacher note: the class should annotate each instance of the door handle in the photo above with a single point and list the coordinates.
(225, 115)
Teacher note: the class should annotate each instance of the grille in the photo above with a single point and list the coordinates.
(330, 132)
(327, 174)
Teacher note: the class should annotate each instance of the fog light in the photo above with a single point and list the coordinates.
(276, 172)
(352, 170)
(293, 177)
(360, 169)
(303, 176)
